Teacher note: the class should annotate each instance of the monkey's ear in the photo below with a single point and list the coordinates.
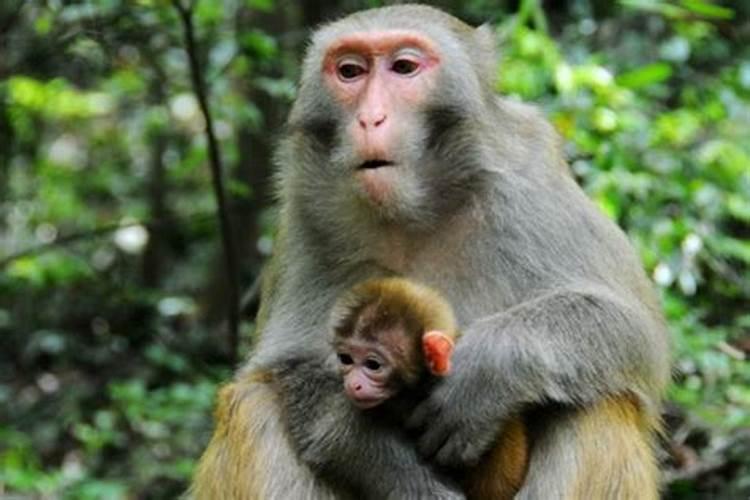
(437, 348)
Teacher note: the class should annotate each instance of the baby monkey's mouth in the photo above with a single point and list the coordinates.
(373, 164)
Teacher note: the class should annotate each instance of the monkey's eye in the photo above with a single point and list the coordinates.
(404, 66)
(345, 359)
(373, 364)
(350, 70)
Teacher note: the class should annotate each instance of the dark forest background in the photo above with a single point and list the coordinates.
(117, 298)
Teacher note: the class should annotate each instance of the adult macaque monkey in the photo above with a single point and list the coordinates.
(401, 160)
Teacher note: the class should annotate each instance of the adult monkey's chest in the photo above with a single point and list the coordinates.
(474, 285)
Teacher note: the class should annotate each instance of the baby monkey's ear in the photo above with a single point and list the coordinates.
(438, 349)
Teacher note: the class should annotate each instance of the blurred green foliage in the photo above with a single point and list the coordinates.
(110, 274)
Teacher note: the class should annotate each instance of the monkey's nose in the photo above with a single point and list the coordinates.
(371, 121)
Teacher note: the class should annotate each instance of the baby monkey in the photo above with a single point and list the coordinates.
(392, 336)
(389, 334)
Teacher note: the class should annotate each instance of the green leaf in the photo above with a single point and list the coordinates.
(726, 246)
(645, 76)
(209, 12)
(739, 207)
(57, 99)
(43, 22)
(708, 9)
(663, 8)
(261, 5)
(608, 204)
(97, 489)
(679, 127)
(260, 44)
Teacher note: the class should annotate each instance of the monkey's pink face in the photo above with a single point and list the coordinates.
(368, 374)
(380, 80)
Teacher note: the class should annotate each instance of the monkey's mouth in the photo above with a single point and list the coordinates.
(367, 403)
(374, 164)
(377, 179)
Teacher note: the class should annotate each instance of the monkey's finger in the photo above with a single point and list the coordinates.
(447, 455)
(434, 439)
(459, 450)
(420, 416)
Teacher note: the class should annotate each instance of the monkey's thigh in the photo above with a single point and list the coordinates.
(599, 453)
(502, 471)
(249, 456)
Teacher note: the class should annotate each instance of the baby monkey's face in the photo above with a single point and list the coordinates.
(369, 371)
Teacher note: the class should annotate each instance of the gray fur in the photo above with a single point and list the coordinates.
(550, 296)
(353, 450)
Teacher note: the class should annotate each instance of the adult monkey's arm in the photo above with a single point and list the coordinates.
(573, 346)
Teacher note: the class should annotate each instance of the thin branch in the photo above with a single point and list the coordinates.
(96, 232)
(186, 15)
(64, 240)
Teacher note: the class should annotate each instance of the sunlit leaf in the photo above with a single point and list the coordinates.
(645, 76)
(56, 98)
(707, 9)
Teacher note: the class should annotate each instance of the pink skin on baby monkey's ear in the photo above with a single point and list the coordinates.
(437, 348)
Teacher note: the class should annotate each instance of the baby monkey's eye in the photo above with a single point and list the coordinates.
(372, 364)
(345, 359)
